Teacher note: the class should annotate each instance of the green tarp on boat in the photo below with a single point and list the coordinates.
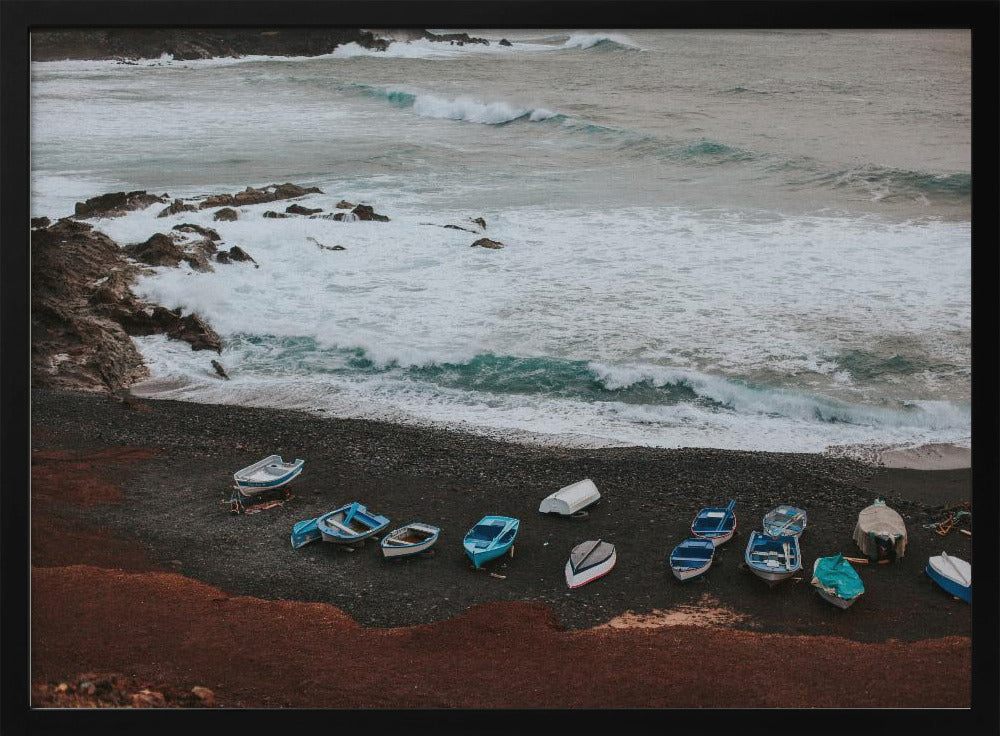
(837, 577)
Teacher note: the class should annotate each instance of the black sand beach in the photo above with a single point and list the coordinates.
(171, 504)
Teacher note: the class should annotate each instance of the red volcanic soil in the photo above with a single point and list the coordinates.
(163, 627)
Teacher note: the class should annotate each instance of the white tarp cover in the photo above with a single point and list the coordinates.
(570, 499)
(878, 520)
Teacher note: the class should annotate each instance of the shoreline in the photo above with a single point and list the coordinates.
(126, 517)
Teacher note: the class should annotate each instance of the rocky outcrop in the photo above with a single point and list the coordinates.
(226, 214)
(344, 205)
(159, 250)
(487, 243)
(37, 222)
(194, 43)
(365, 212)
(248, 196)
(187, 227)
(297, 209)
(272, 215)
(234, 255)
(176, 207)
(117, 203)
(83, 310)
(504, 42)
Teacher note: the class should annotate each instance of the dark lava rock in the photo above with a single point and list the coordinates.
(487, 243)
(344, 205)
(216, 200)
(177, 206)
(39, 222)
(226, 214)
(159, 250)
(124, 44)
(234, 255)
(365, 212)
(83, 309)
(504, 42)
(297, 209)
(188, 227)
(271, 214)
(116, 204)
(220, 370)
(481, 222)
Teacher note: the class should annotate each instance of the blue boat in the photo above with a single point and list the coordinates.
(953, 574)
(267, 474)
(349, 524)
(715, 523)
(304, 532)
(691, 558)
(491, 537)
(785, 521)
(773, 559)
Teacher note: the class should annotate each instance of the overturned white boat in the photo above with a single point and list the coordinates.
(571, 500)
(589, 561)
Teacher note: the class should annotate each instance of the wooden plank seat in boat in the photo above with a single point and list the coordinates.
(346, 529)
(702, 560)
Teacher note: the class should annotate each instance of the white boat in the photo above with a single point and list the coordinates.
(571, 500)
(409, 540)
(953, 574)
(267, 474)
(589, 561)
(773, 559)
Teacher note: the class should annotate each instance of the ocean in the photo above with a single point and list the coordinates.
(733, 239)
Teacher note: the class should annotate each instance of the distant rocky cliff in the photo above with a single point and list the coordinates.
(194, 43)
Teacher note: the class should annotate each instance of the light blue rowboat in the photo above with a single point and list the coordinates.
(266, 474)
(350, 523)
(491, 537)
(715, 523)
(691, 558)
(773, 559)
(951, 573)
(785, 521)
(304, 532)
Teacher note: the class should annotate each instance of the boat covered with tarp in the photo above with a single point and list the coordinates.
(836, 580)
(880, 532)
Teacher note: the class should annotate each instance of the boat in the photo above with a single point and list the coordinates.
(304, 532)
(836, 581)
(785, 521)
(715, 523)
(349, 524)
(953, 574)
(265, 475)
(491, 537)
(880, 533)
(588, 561)
(773, 559)
(691, 558)
(571, 500)
(409, 540)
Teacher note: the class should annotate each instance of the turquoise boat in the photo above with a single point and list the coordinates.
(304, 532)
(491, 537)
(350, 524)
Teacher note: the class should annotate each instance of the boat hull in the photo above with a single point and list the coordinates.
(716, 540)
(480, 558)
(333, 535)
(575, 580)
(390, 550)
(761, 549)
(835, 599)
(305, 532)
(950, 586)
(690, 573)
